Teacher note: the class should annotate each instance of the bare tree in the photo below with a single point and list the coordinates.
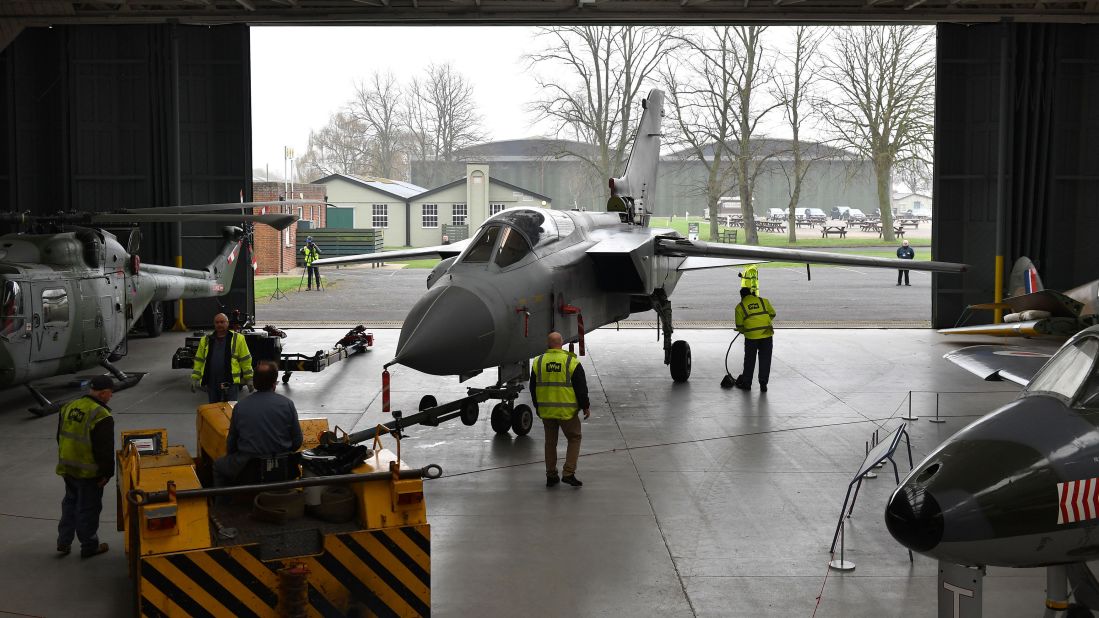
(915, 174)
(441, 116)
(752, 72)
(338, 148)
(703, 104)
(376, 106)
(883, 105)
(794, 90)
(610, 66)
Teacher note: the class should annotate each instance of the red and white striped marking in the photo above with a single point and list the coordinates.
(233, 254)
(1078, 500)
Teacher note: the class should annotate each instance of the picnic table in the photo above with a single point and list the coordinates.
(897, 229)
(771, 226)
(912, 223)
(870, 226)
(829, 230)
(735, 221)
(801, 222)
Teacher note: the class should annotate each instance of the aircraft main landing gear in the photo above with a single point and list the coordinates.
(677, 355)
(519, 419)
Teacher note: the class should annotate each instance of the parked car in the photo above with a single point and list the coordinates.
(814, 214)
(776, 214)
(854, 214)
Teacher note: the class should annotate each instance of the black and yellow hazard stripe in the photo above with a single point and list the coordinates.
(386, 572)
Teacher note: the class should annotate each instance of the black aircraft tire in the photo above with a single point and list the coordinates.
(501, 418)
(428, 401)
(153, 318)
(522, 419)
(681, 361)
(470, 412)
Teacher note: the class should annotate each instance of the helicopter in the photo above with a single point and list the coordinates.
(70, 292)
(528, 271)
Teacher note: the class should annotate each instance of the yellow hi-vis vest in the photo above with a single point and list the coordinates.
(750, 279)
(311, 254)
(74, 442)
(753, 317)
(553, 384)
(240, 359)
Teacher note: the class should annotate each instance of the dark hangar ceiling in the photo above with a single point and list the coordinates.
(525, 12)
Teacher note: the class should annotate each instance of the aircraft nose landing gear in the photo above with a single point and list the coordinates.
(519, 419)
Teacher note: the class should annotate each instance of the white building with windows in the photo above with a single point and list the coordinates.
(918, 203)
(414, 216)
(377, 203)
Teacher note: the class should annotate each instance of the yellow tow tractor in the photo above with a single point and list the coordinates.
(337, 529)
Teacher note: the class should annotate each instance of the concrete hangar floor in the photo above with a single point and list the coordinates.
(697, 501)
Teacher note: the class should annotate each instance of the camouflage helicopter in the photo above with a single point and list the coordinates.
(69, 297)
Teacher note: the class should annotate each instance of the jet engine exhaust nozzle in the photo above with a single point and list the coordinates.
(914, 518)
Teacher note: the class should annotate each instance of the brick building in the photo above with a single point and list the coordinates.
(272, 245)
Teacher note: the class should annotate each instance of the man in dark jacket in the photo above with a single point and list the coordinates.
(904, 252)
(559, 389)
(85, 460)
(262, 425)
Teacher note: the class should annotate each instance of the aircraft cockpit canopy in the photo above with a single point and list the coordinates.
(1072, 374)
(11, 309)
(510, 235)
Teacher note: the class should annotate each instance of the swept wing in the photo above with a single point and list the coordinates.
(442, 251)
(1000, 362)
(748, 254)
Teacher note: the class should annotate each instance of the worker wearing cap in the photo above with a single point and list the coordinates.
(85, 460)
(222, 358)
(559, 390)
(753, 320)
(312, 253)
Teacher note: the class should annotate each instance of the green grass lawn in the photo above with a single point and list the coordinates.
(265, 286)
(807, 237)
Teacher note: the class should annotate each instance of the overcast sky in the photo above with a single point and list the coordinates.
(302, 75)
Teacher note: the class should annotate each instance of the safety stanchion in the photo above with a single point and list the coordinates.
(937, 419)
(841, 564)
(910, 417)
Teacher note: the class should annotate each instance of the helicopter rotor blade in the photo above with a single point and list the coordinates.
(278, 222)
(199, 208)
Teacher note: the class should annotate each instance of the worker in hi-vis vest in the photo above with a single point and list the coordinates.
(85, 459)
(312, 254)
(222, 358)
(750, 279)
(559, 390)
(753, 320)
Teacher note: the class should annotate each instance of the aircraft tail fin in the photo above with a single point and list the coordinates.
(1024, 278)
(224, 266)
(634, 193)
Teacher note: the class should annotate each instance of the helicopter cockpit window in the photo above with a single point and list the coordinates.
(55, 307)
(512, 248)
(480, 250)
(1067, 371)
(534, 224)
(11, 309)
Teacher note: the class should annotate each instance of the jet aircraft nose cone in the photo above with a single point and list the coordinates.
(449, 331)
(914, 518)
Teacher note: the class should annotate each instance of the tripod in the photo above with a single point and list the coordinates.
(278, 293)
(306, 272)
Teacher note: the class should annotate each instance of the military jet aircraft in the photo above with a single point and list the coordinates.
(68, 298)
(1020, 486)
(528, 271)
(1034, 311)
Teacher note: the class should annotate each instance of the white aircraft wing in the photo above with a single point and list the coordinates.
(1000, 362)
(698, 248)
(442, 251)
